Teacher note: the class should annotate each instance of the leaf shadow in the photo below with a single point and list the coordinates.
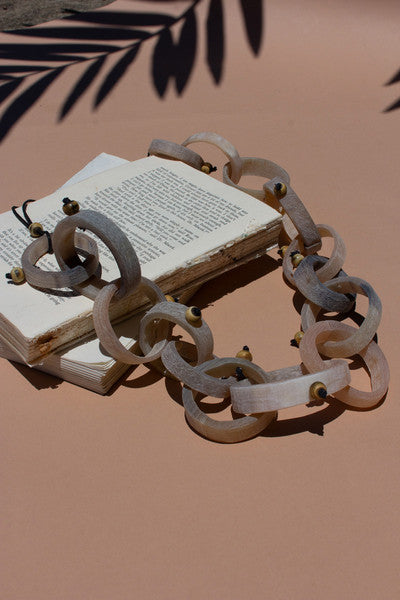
(31, 66)
(395, 105)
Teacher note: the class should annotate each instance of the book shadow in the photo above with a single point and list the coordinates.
(38, 379)
(228, 282)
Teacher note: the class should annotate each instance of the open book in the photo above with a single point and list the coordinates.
(186, 228)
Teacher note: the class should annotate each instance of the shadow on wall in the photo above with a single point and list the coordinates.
(394, 79)
(28, 69)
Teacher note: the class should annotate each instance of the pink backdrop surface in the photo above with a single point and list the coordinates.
(115, 497)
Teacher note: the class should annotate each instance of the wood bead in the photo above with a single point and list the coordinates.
(70, 207)
(60, 279)
(327, 270)
(245, 353)
(375, 362)
(288, 387)
(298, 336)
(239, 429)
(259, 167)
(296, 259)
(173, 151)
(226, 147)
(17, 275)
(114, 238)
(318, 390)
(360, 337)
(107, 335)
(193, 315)
(280, 190)
(206, 168)
(36, 230)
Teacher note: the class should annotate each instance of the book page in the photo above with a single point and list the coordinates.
(172, 214)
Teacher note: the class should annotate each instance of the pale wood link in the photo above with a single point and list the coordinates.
(114, 238)
(59, 279)
(375, 361)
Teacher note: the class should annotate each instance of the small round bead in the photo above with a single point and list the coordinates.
(36, 230)
(193, 315)
(298, 337)
(17, 275)
(70, 207)
(245, 353)
(296, 259)
(280, 190)
(318, 391)
(282, 250)
(206, 168)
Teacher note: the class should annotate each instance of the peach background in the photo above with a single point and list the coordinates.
(110, 498)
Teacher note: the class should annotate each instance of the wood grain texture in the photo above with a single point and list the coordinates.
(107, 335)
(307, 282)
(298, 214)
(192, 377)
(326, 271)
(239, 429)
(288, 387)
(360, 337)
(173, 151)
(227, 148)
(375, 361)
(114, 238)
(259, 167)
(59, 279)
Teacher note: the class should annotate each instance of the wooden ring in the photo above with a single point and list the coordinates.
(176, 313)
(297, 212)
(362, 336)
(326, 271)
(260, 167)
(192, 377)
(106, 333)
(292, 205)
(59, 279)
(289, 387)
(173, 151)
(307, 282)
(227, 148)
(114, 238)
(375, 361)
(239, 429)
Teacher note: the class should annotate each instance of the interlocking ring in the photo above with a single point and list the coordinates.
(172, 151)
(174, 312)
(114, 238)
(192, 377)
(329, 269)
(289, 387)
(239, 429)
(318, 335)
(227, 148)
(362, 336)
(307, 282)
(59, 279)
(106, 333)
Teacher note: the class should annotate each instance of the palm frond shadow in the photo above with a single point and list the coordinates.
(396, 104)
(29, 68)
